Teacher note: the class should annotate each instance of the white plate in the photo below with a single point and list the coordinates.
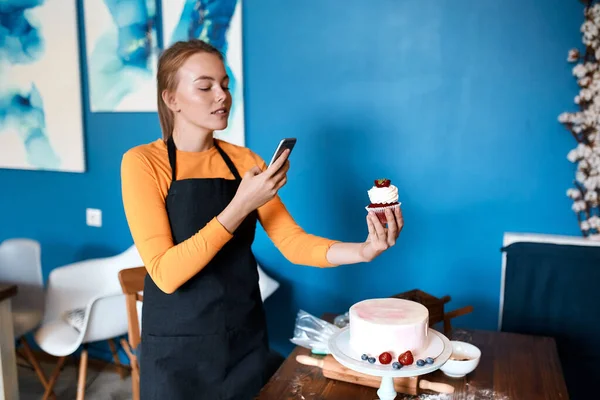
(439, 348)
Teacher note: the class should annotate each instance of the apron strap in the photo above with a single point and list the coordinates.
(229, 163)
(172, 157)
(171, 150)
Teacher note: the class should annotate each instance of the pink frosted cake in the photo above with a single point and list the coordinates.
(390, 325)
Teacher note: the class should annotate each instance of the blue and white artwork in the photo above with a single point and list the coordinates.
(41, 124)
(218, 22)
(122, 52)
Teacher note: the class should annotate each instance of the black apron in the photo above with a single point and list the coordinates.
(208, 339)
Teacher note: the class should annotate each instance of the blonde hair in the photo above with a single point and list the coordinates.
(166, 77)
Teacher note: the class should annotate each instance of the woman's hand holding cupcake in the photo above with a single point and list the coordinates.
(381, 238)
(384, 222)
(384, 208)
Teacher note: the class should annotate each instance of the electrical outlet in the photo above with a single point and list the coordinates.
(93, 217)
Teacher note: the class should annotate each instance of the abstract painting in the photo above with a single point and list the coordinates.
(122, 51)
(41, 124)
(218, 22)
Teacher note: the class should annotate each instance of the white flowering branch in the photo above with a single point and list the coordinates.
(584, 124)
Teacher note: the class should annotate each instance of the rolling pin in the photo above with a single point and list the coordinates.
(332, 369)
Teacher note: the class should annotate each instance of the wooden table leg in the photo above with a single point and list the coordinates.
(9, 384)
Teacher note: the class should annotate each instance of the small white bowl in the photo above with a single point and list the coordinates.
(464, 359)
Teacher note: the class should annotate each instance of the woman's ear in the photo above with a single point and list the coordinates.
(169, 99)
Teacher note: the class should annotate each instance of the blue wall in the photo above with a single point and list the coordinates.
(455, 101)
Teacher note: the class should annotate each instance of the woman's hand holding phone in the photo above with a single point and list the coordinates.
(258, 187)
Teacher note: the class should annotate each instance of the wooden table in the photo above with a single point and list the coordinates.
(512, 367)
(9, 387)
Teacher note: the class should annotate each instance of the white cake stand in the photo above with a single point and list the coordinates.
(439, 348)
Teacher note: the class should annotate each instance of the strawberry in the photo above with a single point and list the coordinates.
(406, 358)
(382, 183)
(385, 358)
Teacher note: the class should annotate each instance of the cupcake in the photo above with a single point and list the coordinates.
(383, 195)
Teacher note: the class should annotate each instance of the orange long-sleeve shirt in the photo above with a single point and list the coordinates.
(145, 180)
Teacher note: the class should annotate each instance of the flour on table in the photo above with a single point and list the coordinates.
(428, 397)
(484, 394)
(472, 394)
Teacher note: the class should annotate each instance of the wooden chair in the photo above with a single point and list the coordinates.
(132, 283)
(435, 305)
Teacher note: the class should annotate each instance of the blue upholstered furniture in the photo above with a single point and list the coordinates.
(551, 287)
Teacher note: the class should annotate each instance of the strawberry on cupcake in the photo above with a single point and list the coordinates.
(383, 195)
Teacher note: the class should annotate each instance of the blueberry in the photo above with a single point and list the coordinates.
(364, 357)
(396, 365)
(420, 363)
(429, 360)
(372, 360)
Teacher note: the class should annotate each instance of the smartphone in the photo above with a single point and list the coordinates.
(287, 143)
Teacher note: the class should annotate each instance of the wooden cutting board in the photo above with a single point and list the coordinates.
(332, 369)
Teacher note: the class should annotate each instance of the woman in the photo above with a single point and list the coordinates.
(192, 203)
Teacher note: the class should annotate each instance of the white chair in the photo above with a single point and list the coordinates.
(20, 264)
(84, 304)
(266, 284)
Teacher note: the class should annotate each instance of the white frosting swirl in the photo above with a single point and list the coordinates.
(383, 195)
